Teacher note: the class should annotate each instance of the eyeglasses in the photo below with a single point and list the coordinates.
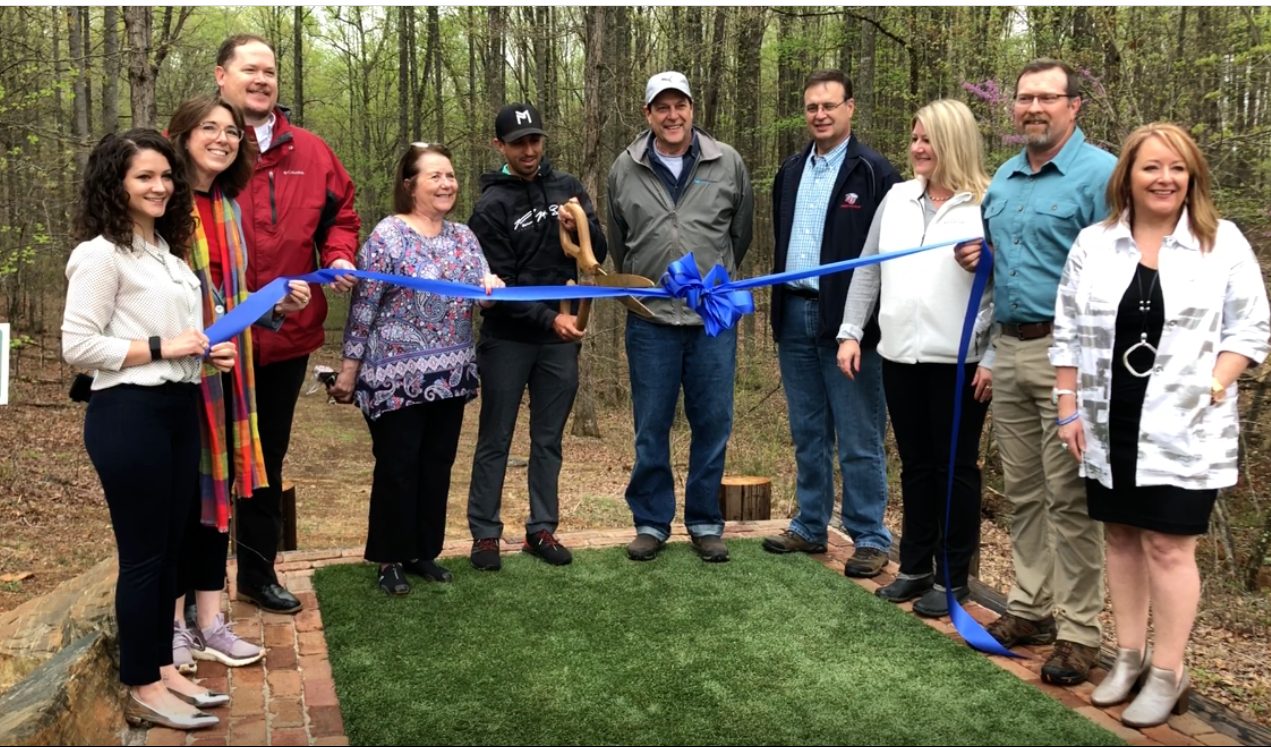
(1045, 99)
(211, 130)
(827, 108)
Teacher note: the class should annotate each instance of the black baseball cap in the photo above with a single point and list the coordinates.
(515, 121)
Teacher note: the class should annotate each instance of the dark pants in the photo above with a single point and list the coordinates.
(144, 443)
(920, 402)
(414, 450)
(260, 517)
(507, 367)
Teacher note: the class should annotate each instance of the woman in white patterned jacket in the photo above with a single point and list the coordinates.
(1160, 309)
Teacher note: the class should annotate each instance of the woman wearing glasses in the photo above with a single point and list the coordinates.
(1160, 309)
(207, 135)
(134, 314)
(922, 300)
(410, 365)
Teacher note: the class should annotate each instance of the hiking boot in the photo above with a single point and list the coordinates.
(1069, 664)
(221, 644)
(904, 589)
(711, 547)
(644, 547)
(485, 554)
(183, 644)
(1013, 630)
(866, 562)
(935, 603)
(789, 541)
(544, 545)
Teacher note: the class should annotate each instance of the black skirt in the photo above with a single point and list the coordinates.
(1159, 508)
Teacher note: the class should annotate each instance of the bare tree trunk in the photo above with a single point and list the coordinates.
(495, 59)
(434, 44)
(79, 89)
(405, 75)
(864, 83)
(110, 69)
(297, 51)
(586, 422)
(141, 82)
(710, 99)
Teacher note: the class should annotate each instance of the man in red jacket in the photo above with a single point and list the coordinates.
(297, 212)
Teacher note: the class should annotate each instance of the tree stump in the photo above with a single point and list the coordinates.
(745, 498)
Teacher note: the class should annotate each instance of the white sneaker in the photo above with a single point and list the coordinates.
(220, 644)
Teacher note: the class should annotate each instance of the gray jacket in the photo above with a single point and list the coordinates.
(713, 218)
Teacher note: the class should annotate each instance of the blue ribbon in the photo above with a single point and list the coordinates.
(720, 301)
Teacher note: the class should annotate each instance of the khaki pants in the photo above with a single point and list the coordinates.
(1057, 547)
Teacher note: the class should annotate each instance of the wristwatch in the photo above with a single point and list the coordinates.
(1055, 394)
(156, 348)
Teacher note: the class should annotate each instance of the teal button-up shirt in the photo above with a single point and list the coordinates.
(1032, 219)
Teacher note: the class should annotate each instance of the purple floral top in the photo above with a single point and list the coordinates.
(414, 346)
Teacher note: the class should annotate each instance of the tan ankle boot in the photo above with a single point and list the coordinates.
(1160, 697)
(1128, 672)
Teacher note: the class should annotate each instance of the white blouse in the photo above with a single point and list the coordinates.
(119, 294)
(1215, 301)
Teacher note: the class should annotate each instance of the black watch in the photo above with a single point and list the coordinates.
(156, 348)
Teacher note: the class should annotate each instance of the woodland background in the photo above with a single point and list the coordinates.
(369, 80)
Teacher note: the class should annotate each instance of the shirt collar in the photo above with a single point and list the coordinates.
(833, 158)
(651, 152)
(1062, 160)
(1181, 236)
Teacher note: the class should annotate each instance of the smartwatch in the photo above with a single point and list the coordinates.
(156, 348)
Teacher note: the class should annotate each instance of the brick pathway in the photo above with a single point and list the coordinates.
(290, 700)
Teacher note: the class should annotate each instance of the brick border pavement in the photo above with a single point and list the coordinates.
(290, 699)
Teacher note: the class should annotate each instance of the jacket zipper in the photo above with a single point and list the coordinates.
(273, 206)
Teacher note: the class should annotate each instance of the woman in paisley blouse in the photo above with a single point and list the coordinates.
(410, 365)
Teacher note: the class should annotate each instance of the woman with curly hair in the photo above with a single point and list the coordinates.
(134, 315)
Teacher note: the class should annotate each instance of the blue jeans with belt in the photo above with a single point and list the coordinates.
(664, 359)
(830, 413)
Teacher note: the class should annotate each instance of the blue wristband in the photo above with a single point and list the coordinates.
(1070, 419)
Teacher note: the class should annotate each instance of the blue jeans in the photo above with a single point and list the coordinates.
(662, 359)
(823, 404)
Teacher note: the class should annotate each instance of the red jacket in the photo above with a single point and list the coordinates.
(297, 209)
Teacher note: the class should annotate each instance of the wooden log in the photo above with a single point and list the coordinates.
(288, 505)
(745, 498)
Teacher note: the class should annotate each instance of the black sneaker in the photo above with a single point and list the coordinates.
(544, 545)
(392, 581)
(485, 554)
(429, 570)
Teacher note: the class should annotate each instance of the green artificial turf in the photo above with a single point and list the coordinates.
(765, 649)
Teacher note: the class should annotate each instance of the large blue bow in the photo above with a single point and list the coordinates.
(712, 297)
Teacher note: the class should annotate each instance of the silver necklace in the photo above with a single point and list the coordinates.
(1145, 307)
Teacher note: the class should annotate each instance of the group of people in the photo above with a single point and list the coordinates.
(1120, 314)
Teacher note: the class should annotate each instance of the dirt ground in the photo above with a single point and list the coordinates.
(54, 523)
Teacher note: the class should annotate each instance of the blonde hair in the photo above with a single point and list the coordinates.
(1202, 215)
(955, 138)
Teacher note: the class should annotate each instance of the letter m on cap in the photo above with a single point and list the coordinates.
(523, 117)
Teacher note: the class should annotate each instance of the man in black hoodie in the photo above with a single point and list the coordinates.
(525, 343)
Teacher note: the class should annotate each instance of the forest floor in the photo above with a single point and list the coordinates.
(54, 523)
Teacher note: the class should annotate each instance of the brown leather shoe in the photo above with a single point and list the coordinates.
(644, 547)
(866, 562)
(711, 548)
(788, 542)
(1013, 630)
(1069, 664)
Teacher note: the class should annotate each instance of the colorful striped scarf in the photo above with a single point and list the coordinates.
(249, 461)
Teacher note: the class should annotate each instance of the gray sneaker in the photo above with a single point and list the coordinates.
(183, 645)
(220, 644)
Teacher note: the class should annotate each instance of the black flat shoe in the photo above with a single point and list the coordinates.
(936, 604)
(392, 581)
(272, 598)
(429, 570)
(904, 589)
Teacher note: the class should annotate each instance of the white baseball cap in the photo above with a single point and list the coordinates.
(668, 81)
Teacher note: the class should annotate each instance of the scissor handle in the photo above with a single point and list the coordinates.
(580, 251)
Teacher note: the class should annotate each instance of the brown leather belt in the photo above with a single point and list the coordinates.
(1027, 330)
